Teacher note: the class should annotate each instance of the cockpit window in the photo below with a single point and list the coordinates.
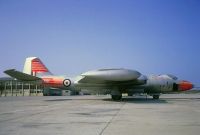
(172, 76)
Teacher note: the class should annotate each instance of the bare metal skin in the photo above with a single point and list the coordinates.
(104, 81)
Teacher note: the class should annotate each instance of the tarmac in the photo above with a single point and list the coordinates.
(174, 114)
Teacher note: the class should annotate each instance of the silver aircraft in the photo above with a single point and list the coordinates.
(105, 81)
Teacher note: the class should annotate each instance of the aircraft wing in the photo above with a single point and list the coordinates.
(87, 82)
(21, 76)
(110, 79)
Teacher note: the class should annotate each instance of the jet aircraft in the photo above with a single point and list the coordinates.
(114, 81)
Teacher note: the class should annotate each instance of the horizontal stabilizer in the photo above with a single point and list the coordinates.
(21, 76)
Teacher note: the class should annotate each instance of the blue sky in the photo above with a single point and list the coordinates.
(74, 36)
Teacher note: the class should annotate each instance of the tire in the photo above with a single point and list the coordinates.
(116, 97)
(130, 94)
(156, 96)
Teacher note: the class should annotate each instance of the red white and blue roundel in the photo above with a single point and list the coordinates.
(66, 82)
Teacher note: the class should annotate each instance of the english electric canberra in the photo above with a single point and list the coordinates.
(106, 81)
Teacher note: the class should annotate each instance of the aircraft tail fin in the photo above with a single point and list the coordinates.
(34, 66)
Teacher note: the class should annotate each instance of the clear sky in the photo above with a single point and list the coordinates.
(74, 36)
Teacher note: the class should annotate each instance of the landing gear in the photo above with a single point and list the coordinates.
(116, 97)
(156, 96)
(130, 94)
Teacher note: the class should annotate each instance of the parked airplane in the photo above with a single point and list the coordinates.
(112, 81)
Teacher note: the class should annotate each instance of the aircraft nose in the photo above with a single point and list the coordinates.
(185, 85)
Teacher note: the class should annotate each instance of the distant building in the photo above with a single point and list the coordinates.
(12, 87)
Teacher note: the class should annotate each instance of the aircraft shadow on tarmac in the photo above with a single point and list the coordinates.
(142, 100)
(138, 100)
(51, 100)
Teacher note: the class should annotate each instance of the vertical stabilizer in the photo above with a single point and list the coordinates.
(34, 66)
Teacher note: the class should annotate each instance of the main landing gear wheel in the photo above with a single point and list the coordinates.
(156, 96)
(116, 97)
(130, 94)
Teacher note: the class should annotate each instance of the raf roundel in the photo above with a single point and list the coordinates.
(66, 82)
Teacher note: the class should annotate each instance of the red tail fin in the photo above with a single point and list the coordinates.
(34, 66)
(38, 66)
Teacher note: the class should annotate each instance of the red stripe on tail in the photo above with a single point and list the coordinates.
(38, 66)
